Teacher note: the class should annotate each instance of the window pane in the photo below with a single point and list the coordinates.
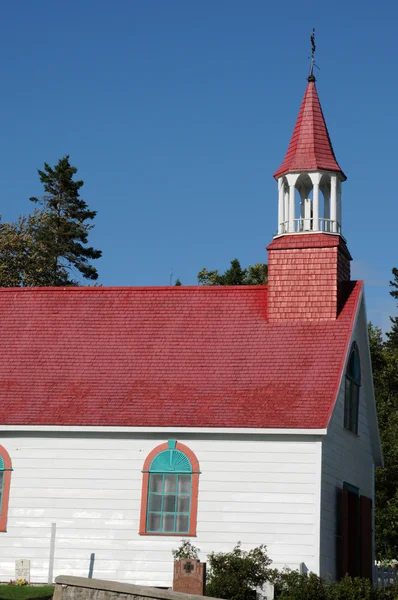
(184, 484)
(156, 482)
(183, 504)
(168, 523)
(170, 483)
(182, 523)
(153, 522)
(155, 502)
(357, 370)
(354, 406)
(347, 405)
(169, 504)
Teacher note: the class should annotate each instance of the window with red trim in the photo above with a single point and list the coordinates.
(5, 480)
(170, 491)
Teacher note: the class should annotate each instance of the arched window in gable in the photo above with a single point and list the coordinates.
(5, 480)
(352, 385)
(170, 491)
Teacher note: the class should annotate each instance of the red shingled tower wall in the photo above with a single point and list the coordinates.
(305, 276)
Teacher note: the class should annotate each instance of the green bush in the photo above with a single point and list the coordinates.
(357, 588)
(235, 575)
(186, 551)
(290, 585)
(390, 592)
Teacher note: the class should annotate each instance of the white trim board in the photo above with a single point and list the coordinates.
(111, 429)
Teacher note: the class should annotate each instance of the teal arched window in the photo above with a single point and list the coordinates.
(352, 386)
(170, 490)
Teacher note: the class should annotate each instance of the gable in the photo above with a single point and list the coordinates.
(368, 427)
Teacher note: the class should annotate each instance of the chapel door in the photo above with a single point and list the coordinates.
(366, 538)
(357, 534)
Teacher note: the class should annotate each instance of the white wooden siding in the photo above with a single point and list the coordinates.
(258, 490)
(345, 456)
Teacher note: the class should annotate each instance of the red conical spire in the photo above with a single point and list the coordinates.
(310, 148)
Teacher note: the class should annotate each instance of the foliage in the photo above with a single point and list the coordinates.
(358, 588)
(63, 232)
(385, 377)
(186, 550)
(392, 336)
(235, 575)
(21, 263)
(178, 281)
(26, 592)
(48, 247)
(235, 275)
(290, 585)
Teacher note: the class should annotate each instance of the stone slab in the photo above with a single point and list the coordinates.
(22, 569)
(189, 577)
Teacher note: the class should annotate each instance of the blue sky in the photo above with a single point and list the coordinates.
(177, 112)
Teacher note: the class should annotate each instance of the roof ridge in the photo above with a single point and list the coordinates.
(140, 288)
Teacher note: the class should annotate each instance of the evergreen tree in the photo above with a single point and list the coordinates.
(62, 236)
(392, 335)
(235, 275)
(385, 377)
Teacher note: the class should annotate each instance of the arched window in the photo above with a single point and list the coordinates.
(5, 480)
(169, 491)
(352, 385)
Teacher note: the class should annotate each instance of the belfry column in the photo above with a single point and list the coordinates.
(291, 179)
(339, 212)
(333, 202)
(281, 199)
(286, 205)
(315, 178)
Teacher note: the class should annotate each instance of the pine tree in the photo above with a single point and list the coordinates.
(235, 275)
(392, 336)
(385, 378)
(62, 235)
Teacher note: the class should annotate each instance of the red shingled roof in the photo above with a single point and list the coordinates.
(310, 148)
(174, 356)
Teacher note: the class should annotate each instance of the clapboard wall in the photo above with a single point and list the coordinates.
(257, 489)
(347, 457)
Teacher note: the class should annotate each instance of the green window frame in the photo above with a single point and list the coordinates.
(352, 387)
(169, 492)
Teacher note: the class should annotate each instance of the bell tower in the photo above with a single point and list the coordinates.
(308, 260)
(309, 179)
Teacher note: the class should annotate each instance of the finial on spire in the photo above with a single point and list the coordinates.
(311, 76)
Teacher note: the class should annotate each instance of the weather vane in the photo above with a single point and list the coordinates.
(311, 76)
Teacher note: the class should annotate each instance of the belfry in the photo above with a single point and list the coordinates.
(310, 167)
(308, 259)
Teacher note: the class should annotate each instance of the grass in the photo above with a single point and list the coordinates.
(25, 592)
